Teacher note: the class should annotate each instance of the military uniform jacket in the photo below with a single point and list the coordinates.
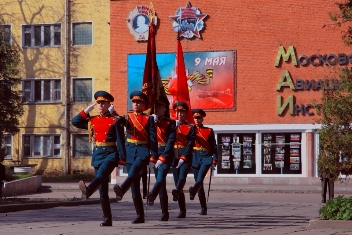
(138, 143)
(205, 148)
(166, 136)
(104, 128)
(185, 138)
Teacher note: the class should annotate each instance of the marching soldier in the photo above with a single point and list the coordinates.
(185, 138)
(106, 131)
(141, 144)
(166, 136)
(204, 157)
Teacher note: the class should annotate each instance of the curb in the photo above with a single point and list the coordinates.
(47, 205)
(331, 224)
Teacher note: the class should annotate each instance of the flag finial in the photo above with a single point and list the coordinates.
(151, 12)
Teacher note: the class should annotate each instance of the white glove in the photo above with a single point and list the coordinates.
(151, 165)
(158, 164)
(89, 108)
(111, 109)
(180, 162)
(213, 166)
(178, 122)
(155, 117)
(120, 166)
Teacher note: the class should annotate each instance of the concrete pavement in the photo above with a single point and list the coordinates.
(228, 213)
(232, 209)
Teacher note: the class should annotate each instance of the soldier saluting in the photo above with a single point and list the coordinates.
(106, 132)
(166, 137)
(185, 137)
(141, 144)
(204, 157)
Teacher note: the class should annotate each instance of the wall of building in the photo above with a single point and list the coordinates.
(255, 31)
(91, 61)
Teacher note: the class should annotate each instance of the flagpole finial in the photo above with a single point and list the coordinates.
(151, 12)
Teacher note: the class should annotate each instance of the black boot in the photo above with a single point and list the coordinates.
(90, 189)
(152, 195)
(164, 203)
(121, 190)
(105, 205)
(193, 190)
(182, 205)
(138, 204)
(179, 187)
(203, 204)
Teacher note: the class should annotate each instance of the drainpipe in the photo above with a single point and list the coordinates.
(67, 160)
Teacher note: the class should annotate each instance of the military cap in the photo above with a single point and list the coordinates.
(179, 105)
(103, 96)
(163, 101)
(138, 95)
(198, 113)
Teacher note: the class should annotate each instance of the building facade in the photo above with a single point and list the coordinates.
(64, 60)
(256, 69)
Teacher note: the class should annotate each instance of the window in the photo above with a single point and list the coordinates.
(82, 90)
(41, 35)
(5, 34)
(82, 33)
(7, 144)
(41, 145)
(236, 153)
(81, 146)
(41, 90)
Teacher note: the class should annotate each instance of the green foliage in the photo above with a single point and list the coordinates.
(10, 97)
(336, 133)
(339, 208)
(342, 18)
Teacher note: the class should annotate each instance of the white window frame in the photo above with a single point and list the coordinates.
(31, 32)
(9, 155)
(73, 89)
(73, 144)
(30, 93)
(72, 32)
(41, 138)
(2, 32)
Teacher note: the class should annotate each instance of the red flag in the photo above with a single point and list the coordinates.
(152, 85)
(178, 86)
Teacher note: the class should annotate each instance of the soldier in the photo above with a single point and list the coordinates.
(166, 136)
(327, 180)
(141, 144)
(185, 138)
(107, 134)
(204, 157)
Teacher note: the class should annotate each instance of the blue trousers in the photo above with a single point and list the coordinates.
(103, 172)
(181, 173)
(160, 176)
(199, 175)
(135, 171)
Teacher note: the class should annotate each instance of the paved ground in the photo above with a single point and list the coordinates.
(257, 211)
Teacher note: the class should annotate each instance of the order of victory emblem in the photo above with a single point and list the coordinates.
(138, 22)
(188, 21)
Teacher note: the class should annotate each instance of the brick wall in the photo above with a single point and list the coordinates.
(255, 30)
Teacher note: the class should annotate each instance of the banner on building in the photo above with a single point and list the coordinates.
(211, 76)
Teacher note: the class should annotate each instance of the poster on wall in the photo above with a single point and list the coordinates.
(210, 76)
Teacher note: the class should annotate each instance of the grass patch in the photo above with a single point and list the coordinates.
(23, 176)
(68, 178)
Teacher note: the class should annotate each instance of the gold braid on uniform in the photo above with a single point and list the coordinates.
(91, 138)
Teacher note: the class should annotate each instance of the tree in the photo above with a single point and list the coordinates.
(10, 97)
(336, 134)
(335, 152)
